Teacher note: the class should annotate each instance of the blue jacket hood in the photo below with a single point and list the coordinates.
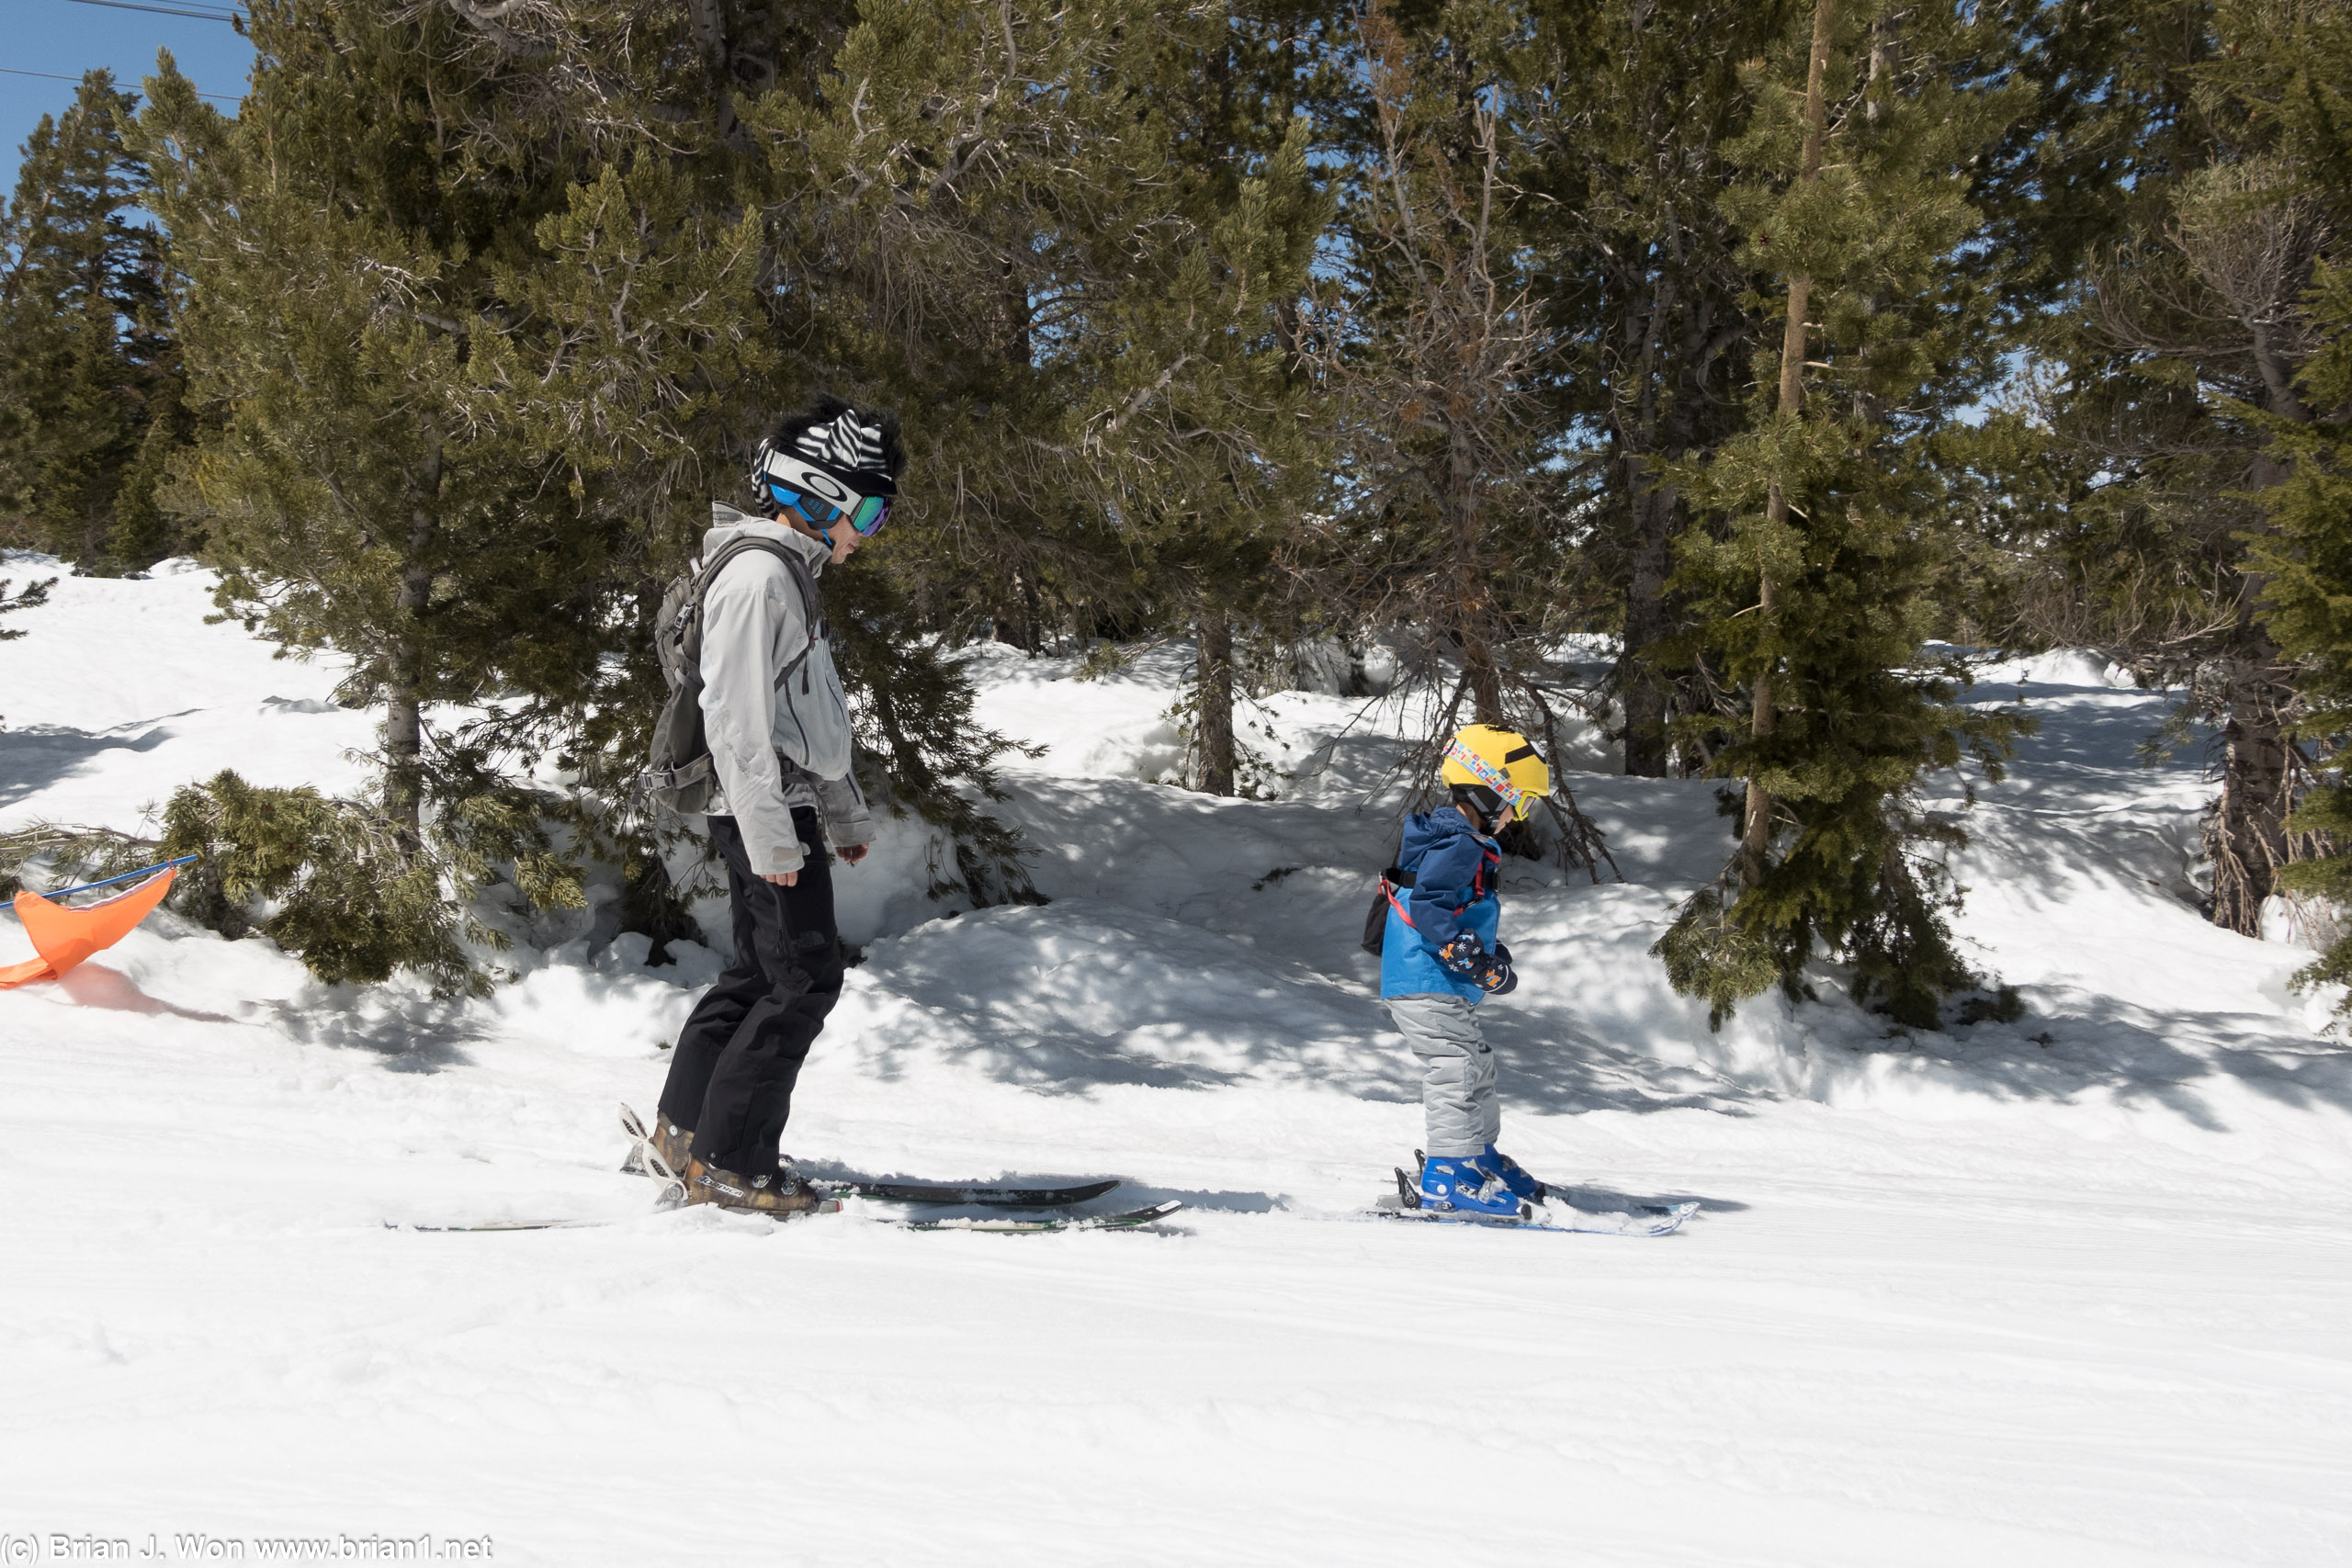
(1425, 830)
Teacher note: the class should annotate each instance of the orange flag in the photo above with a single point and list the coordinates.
(64, 937)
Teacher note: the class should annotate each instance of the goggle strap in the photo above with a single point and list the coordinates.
(789, 470)
(1487, 773)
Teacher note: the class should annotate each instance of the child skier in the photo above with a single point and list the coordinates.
(1439, 957)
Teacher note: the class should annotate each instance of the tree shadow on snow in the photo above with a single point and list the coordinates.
(419, 1035)
(2147, 1055)
(1541, 1071)
(37, 757)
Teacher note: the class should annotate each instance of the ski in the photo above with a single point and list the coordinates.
(1646, 1220)
(1003, 1224)
(984, 1197)
(643, 1160)
(498, 1225)
(1664, 1223)
(1037, 1224)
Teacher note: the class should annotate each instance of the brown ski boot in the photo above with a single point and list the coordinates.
(672, 1142)
(781, 1195)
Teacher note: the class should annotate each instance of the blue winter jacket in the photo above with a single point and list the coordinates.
(1454, 868)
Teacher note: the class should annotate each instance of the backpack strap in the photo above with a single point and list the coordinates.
(1397, 879)
(802, 578)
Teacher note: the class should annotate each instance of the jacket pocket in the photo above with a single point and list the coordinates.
(812, 726)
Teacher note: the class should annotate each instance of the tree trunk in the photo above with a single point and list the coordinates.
(1641, 689)
(1213, 723)
(404, 737)
(1471, 601)
(405, 704)
(2247, 832)
(1757, 835)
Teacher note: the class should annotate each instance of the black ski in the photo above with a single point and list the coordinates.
(984, 1197)
(641, 1160)
(1001, 1225)
(504, 1225)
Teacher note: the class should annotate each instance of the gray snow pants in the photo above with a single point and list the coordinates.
(1458, 1072)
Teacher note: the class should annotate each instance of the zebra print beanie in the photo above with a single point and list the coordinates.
(857, 446)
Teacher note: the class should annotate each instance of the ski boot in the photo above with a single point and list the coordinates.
(781, 1195)
(672, 1142)
(1511, 1174)
(1461, 1185)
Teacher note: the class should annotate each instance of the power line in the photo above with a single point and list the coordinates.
(205, 14)
(53, 76)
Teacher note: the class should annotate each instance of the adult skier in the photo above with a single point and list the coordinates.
(778, 731)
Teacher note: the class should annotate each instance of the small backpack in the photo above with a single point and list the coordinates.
(1393, 881)
(680, 774)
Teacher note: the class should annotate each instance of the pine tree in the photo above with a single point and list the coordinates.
(350, 255)
(1210, 457)
(1647, 283)
(2293, 70)
(345, 245)
(1062, 242)
(1436, 372)
(1813, 581)
(2307, 565)
(86, 365)
(1446, 530)
(13, 600)
(2181, 348)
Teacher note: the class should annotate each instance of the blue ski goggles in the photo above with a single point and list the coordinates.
(821, 498)
(867, 516)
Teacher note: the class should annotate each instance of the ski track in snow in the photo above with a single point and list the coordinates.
(2067, 1291)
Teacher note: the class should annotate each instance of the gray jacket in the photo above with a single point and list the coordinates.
(773, 747)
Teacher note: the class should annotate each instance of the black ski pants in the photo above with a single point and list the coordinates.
(739, 1054)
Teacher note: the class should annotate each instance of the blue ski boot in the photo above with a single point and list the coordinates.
(1460, 1186)
(1509, 1171)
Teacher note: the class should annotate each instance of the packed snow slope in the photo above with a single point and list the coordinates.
(2074, 1291)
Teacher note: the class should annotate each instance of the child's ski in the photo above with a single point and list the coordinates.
(1647, 1220)
(1570, 1221)
(1665, 1223)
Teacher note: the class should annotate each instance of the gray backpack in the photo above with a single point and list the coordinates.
(680, 774)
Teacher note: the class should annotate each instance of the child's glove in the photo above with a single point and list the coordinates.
(1467, 956)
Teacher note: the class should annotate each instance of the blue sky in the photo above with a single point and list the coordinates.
(65, 38)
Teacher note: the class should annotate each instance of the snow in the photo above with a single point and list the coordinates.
(2071, 1291)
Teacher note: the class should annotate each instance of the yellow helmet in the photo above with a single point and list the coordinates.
(1499, 768)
